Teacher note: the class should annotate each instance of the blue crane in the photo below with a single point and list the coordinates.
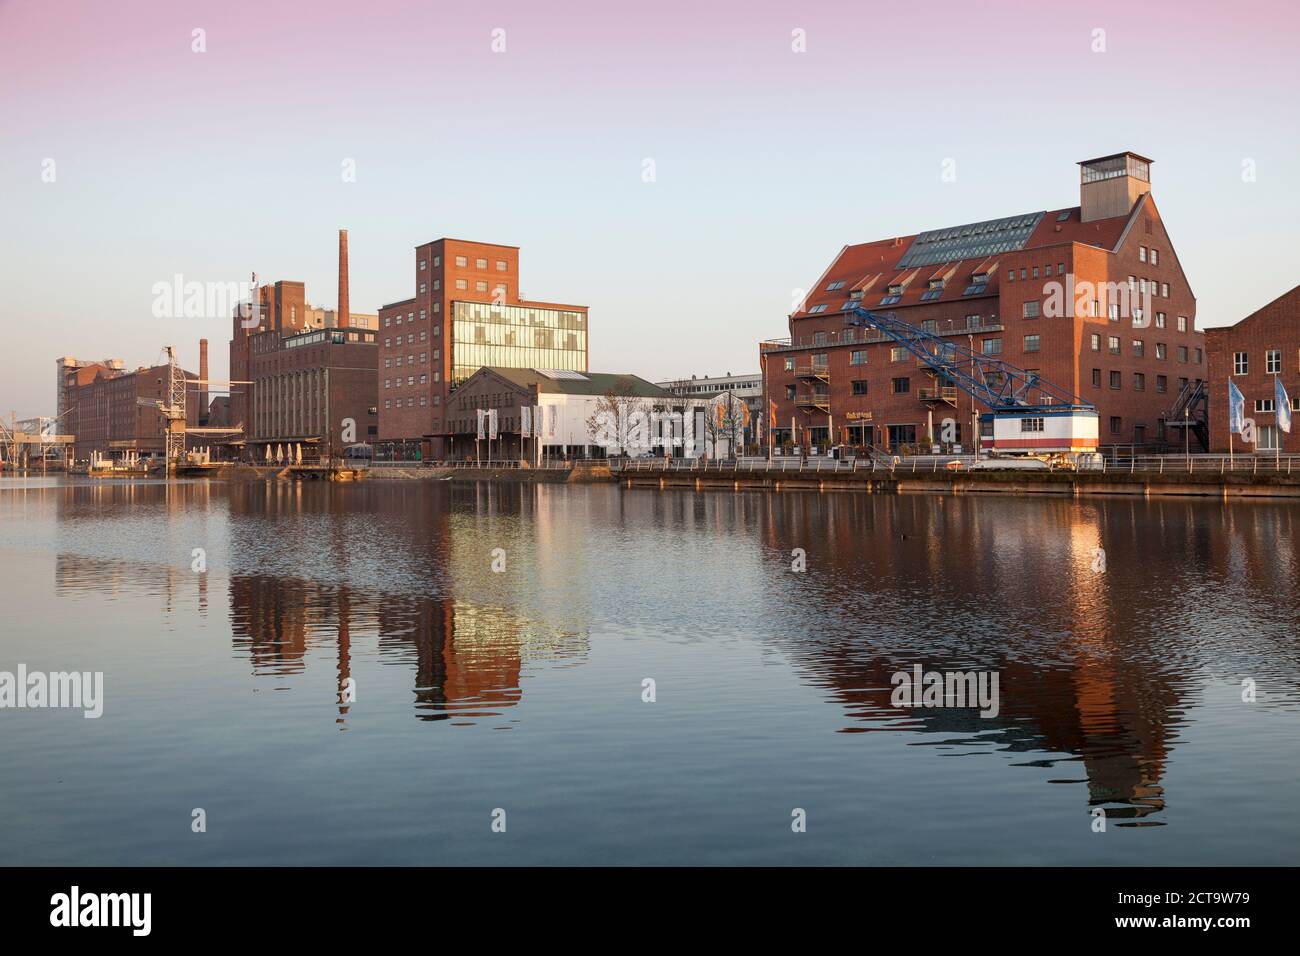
(999, 385)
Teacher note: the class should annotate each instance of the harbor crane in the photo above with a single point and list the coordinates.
(1029, 414)
(172, 410)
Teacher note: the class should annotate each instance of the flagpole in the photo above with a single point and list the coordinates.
(1277, 425)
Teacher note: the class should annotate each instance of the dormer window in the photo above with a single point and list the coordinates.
(838, 284)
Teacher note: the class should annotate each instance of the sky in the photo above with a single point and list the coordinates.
(682, 168)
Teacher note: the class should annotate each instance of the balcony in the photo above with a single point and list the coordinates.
(814, 400)
(821, 373)
(934, 395)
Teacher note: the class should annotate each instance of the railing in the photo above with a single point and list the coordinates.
(941, 394)
(469, 463)
(864, 337)
(1207, 465)
(812, 401)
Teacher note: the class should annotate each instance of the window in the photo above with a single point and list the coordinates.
(1142, 253)
(422, 317)
(972, 321)
(437, 284)
(930, 325)
(991, 346)
(1182, 353)
(1030, 310)
(1264, 405)
(1139, 382)
(897, 354)
(1112, 344)
(1160, 320)
(462, 261)
(1139, 348)
(1096, 378)
(1197, 352)
(858, 357)
(1266, 437)
(1031, 343)
(1164, 290)
(1011, 275)
(1182, 323)
(817, 308)
(424, 287)
(1116, 424)
(1240, 363)
(859, 387)
(501, 265)
(891, 298)
(1060, 268)
(422, 265)
(789, 364)
(1031, 424)
(789, 392)
(1115, 380)
(1273, 361)
(437, 261)
(480, 263)
(480, 286)
(901, 385)
(819, 338)
(462, 284)
(1023, 273)
(1155, 257)
(1160, 351)
(837, 284)
(1113, 309)
(1096, 342)
(1162, 383)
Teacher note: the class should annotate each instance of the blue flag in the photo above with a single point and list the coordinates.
(1236, 408)
(1283, 405)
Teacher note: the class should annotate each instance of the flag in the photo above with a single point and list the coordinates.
(1283, 405)
(481, 415)
(492, 424)
(1236, 409)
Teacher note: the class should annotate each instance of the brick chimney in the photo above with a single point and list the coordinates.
(203, 382)
(344, 315)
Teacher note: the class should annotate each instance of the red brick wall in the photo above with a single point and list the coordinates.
(1275, 326)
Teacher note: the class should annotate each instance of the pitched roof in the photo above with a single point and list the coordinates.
(565, 382)
(956, 252)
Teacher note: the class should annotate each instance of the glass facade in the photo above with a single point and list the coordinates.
(515, 336)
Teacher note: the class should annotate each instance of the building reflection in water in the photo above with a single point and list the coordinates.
(1099, 670)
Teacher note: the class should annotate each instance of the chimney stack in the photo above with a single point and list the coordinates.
(343, 319)
(203, 381)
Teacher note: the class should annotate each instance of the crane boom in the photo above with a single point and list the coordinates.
(997, 384)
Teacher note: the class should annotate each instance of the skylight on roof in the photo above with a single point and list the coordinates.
(970, 242)
(562, 373)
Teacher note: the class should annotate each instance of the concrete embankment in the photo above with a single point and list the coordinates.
(580, 472)
(1024, 483)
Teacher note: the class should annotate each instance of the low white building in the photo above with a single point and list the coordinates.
(546, 414)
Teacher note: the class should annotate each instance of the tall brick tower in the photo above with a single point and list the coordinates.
(343, 316)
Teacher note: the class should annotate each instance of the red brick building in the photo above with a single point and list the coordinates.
(1263, 346)
(1091, 297)
(312, 370)
(105, 414)
(467, 313)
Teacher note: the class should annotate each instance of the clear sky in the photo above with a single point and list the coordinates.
(766, 160)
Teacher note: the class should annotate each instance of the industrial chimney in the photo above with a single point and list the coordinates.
(203, 381)
(344, 315)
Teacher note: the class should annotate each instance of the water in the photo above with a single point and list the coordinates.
(522, 690)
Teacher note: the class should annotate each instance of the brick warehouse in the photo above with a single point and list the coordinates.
(467, 313)
(1091, 297)
(104, 411)
(311, 369)
(1251, 353)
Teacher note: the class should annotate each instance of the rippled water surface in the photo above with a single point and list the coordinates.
(1120, 689)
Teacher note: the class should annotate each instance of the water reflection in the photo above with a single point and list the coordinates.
(1103, 672)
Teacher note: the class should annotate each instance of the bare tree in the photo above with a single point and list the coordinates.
(616, 413)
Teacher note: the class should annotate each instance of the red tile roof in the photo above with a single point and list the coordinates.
(865, 266)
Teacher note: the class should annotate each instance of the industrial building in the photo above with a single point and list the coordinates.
(114, 413)
(467, 313)
(739, 396)
(1261, 347)
(302, 374)
(1089, 297)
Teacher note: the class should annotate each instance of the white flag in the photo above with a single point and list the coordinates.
(481, 416)
(525, 421)
(492, 424)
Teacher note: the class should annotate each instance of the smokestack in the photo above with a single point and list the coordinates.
(203, 381)
(344, 315)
